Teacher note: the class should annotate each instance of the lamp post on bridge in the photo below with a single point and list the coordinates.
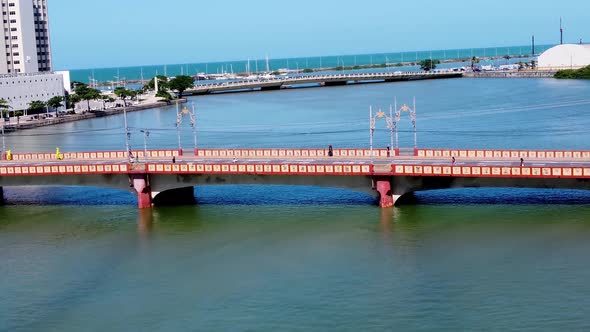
(372, 121)
(405, 108)
(146, 134)
(3, 140)
(193, 119)
(127, 133)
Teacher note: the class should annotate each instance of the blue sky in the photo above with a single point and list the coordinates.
(112, 33)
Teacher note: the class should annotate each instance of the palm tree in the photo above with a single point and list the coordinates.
(4, 107)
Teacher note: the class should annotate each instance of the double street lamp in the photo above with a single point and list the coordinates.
(146, 134)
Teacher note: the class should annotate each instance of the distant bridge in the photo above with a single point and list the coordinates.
(168, 176)
(276, 83)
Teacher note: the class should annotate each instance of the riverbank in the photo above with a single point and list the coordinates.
(32, 123)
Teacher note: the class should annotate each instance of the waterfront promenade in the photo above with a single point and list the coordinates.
(28, 122)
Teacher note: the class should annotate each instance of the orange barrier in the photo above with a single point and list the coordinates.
(95, 155)
(63, 170)
(503, 154)
(267, 169)
(291, 153)
(492, 171)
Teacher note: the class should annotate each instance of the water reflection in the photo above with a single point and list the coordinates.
(145, 222)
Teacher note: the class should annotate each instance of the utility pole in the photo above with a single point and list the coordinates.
(178, 120)
(146, 134)
(560, 32)
(127, 134)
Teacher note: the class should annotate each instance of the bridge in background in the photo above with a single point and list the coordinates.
(168, 176)
(276, 83)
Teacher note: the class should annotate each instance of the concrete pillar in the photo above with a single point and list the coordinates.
(140, 182)
(176, 197)
(386, 198)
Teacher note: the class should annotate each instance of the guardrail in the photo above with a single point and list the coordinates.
(293, 153)
(492, 171)
(94, 155)
(319, 78)
(504, 154)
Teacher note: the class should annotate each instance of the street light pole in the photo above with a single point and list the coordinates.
(3, 141)
(194, 125)
(178, 120)
(146, 134)
(127, 134)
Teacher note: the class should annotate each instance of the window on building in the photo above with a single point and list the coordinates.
(12, 13)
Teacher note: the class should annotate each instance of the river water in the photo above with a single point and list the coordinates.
(250, 258)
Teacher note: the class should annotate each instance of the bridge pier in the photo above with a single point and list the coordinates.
(386, 197)
(140, 182)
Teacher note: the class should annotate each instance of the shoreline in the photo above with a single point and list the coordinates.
(344, 68)
(23, 125)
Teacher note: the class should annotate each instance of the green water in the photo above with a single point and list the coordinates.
(283, 258)
(264, 268)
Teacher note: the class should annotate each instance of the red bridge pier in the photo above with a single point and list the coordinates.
(141, 184)
(384, 188)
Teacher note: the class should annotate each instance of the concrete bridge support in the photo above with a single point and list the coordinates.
(141, 184)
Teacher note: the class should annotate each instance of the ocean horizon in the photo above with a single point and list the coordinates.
(134, 73)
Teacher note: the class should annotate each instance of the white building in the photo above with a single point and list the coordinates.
(566, 56)
(25, 37)
(20, 90)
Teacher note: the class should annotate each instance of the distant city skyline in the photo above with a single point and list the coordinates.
(112, 33)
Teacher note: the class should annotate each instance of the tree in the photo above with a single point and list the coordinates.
(162, 83)
(164, 95)
(507, 57)
(76, 84)
(36, 106)
(474, 61)
(72, 100)
(55, 102)
(181, 84)
(4, 107)
(123, 93)
(86, 93)
(428, 64)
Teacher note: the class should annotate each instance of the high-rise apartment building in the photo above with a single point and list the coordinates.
(25, 36)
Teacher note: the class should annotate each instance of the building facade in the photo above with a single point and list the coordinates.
(566, 56)
(21, 90)
(24, 37)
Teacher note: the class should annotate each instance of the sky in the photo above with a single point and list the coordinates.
(118, 33)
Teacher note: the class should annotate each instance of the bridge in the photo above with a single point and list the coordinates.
(168, 176)
(276, 83)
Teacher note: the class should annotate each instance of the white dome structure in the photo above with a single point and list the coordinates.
(566, 56)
